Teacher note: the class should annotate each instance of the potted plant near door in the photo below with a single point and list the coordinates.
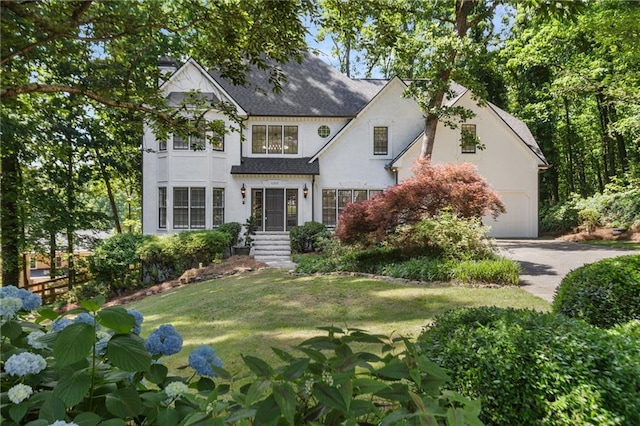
(250, 228)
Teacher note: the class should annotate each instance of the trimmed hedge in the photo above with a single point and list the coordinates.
(529, 367)
(603, 293)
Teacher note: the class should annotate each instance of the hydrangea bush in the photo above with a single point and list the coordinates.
(91, 367)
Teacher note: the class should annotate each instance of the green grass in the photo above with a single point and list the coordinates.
(250, 313)
(623, 244)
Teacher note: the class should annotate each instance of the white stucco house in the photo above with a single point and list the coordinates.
(324, 141)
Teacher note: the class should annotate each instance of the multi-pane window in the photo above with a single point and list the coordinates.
(218, 206)
(198, 208)
(334, 202)
(162, 207)
(468, 138)
(181, 208)
(162, 145)
(274, 139)
(189, 206)
(380, 140)
(198, 141)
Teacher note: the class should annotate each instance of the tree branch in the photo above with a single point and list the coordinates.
(10, 92)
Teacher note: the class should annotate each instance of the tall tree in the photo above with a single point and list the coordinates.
(106, 52)
(433, 42)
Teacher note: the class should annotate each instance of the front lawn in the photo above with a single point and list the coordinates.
(251, 312)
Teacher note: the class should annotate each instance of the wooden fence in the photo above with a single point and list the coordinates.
(53, 289)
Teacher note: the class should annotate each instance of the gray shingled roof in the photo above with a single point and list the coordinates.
(520, 129)
(276, 166)
(313, 89)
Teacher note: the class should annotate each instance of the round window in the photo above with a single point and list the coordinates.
(324, 131)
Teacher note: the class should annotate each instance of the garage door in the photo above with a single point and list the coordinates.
(516, 222)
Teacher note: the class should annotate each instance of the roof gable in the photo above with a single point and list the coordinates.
(518, 127)
(219, 93)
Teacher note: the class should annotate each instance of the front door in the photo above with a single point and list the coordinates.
(274, 210)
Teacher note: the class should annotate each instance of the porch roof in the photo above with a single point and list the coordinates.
(276, 166)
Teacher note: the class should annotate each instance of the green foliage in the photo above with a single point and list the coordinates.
(534, 368)
(114, 260)
(117, 260)
(250, 228)
(392, 262)
(447, 236)
(100, 371)
(233, 230)
(189, 249)
(589, 219)
(604, 293)
(617, 207)
(308, 237)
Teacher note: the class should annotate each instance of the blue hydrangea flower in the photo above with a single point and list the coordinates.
(9, 306)
(139, 318)
(62, 423)
(30, 301)
(85, 318)
(24, 363)
(202, 359)
(19, 393)
(60, 324)
(33, 339)
(164, 340)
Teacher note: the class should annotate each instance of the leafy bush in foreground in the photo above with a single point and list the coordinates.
(536, 368)
(603, 293)
(95, 369)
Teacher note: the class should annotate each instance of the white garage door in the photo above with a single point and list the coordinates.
(517, 221)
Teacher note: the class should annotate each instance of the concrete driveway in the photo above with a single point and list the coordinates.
(545, 262)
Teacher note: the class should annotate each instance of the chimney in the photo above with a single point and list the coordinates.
(167, 67)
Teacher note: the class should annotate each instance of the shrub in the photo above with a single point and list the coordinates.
(51, 378)
(447, 236)
(190, 249)
(308, 237)
(495, 271)
(558, 218)
(434, 188)
(158, 261)
(113, 261)
(233, 229)
(603, 293)
(537, 368)
(589, 219)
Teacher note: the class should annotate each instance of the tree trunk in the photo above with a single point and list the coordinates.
(107, 183)
(572, 184)
(9, 212)
(620, 142)
(431, 120)
(53, 251)
(606, 143)
(71, 213)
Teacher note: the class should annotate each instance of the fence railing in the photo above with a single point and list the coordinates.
(55, 288)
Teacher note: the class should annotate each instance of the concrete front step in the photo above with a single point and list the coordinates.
(271, 246)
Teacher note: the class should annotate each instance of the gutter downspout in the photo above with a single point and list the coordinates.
(313, 198)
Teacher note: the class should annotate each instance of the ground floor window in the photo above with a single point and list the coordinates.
(162, 207)
(334, 202)
(189, 208)
(217, 206)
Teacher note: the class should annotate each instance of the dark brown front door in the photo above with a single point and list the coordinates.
(274, 210)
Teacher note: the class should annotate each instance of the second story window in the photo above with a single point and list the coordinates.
(380, 140)
(274, 139)
(468, 138)
(198, 141)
